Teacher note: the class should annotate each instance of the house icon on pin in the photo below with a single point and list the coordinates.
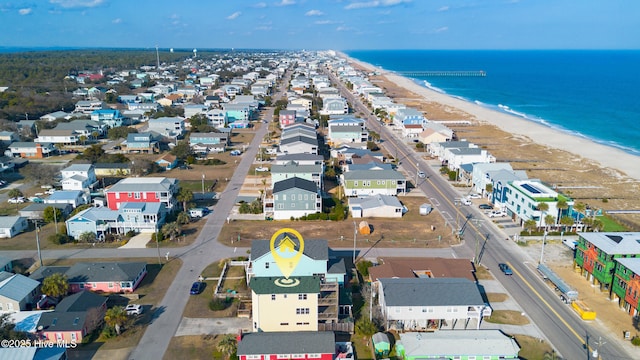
(287, 245)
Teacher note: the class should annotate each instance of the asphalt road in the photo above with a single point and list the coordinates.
(570, 336)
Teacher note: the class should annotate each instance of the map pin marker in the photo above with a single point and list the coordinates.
(286, 247)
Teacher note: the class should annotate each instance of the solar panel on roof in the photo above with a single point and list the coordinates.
(530, 188)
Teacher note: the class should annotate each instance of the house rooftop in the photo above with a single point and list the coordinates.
(288, 342)
(143, 184)
(614, 243)
(459, 343)
(272, 285)
(295, 182)
(80, 301)
(430, 292)
(373, 175)
(422, 267)
(315, 249)
(16, 286)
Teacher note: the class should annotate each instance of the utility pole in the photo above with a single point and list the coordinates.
(38, 241)
(355, 233)
(596, 352)
(203, 184)
(157, 58)
(544, 240)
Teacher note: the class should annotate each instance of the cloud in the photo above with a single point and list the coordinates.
(440, 29)
(314, 13)
(234, 15)
(343, 28)
(260, 5)
(77, 3)
(324, 22)
(443, 8)
(375, 4)
(286, 3)
(25, 11)
(116, 21)
(263, 28)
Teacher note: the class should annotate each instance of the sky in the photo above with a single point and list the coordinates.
(322, 24)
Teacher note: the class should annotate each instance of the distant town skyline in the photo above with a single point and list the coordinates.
(323, 24)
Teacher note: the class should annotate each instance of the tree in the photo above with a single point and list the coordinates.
(227, 345)
(51, 214)
(183, 218)
(171, 230)
(39, 174)
(549, 220)
(488, 188)
(116, 317)
(83, 139)
(120, 132)
(363, 267)
(184, 196)
(566, 221)
(15, 193)
(182, 150)
(530, 225)
(7, 329)
(366, 327)
(55, 285)
(562, 206)
(580, 207)
(543, 207)
(87, 237)
(92, 153)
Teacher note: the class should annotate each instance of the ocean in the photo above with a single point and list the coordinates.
(588, 93)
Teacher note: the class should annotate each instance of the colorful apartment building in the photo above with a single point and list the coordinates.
(597, 254)
(626, 284)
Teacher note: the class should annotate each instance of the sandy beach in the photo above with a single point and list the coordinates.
(600, 176)
(606, 156)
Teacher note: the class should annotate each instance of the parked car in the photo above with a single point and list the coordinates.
(134, 309)
(16, 200)
(497, 213)
(421, 174)
(262, 168)
(36, 199)
(505, 269)
(465, 201)
(485, 207)
(474, 196)
(197, 288)
(235, 153)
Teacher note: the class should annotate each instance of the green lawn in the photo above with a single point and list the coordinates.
(611, 225)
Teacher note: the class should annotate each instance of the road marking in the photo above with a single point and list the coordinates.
(563, 321)
(234, 249)
(435, 201)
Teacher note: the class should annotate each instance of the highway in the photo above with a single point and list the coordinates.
(571, 337)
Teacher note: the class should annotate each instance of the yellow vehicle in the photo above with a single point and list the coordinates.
(583, 310)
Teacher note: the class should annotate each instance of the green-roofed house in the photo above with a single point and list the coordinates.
(373, 182)
(280, 304)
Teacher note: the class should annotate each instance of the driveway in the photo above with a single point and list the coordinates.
(137, 242)
(215, 326)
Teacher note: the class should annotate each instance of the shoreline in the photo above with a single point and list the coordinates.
(606, 156)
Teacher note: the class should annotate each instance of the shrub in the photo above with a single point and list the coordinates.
(131, 233)
(219, 304)
(363, 267)
(635, 341)
(452, 175)
(58, 239)
(109, 332)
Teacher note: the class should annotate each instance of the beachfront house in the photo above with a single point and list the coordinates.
(523, 197)
(469, 344)
(346, 130)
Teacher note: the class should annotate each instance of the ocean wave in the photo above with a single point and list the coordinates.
(431, 87)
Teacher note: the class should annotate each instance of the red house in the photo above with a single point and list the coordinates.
(287, 345)
(143, 189)
(106, 277)
(287, 117)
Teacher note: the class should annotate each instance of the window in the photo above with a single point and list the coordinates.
(302, 311)
(129, 194)
(273, 297)
(117, 195)
(136, 195)
(314, 356)
(355, 183)
(284, 324)
(284, 196)
(254, 357)
(283, 356)
(280, 206)
(266, 265)
(302, 296)
(293, 205)
(110, 284)
(306, 196)
(298, 356)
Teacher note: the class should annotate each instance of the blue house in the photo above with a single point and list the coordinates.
(111, 118)
(208, 142)
(167, 161)
(316, 259)
(141, 142)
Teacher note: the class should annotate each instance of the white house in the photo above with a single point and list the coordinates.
(171, 127)
(523, 197)
(11, 226)
(376, 206)
(78, 177)
(431, 303)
